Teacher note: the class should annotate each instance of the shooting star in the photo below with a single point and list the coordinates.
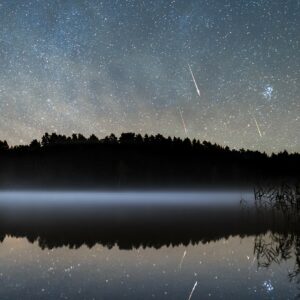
(257, 126)
(195, 82)
(193, 289)
(183, 256)
(183, 123)
(253, 261)
(227, 34)
(251, 265)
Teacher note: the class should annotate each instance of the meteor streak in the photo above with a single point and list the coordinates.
(183, 123)
(183, 256)
(195, 82)
(251, 265)
(227, 35)
(193, 289)
(257, 126)
(253, 261)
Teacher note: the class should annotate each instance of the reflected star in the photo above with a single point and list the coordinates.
(267, 285)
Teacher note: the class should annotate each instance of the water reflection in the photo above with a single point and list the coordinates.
(248, 250)
(276, 248)
(283, 201)
(223, 269)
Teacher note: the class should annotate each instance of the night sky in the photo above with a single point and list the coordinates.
(220, 70)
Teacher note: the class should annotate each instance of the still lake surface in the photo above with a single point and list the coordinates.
(139, 245)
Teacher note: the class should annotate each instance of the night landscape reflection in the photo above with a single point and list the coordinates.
(149, 149)
(155, 245)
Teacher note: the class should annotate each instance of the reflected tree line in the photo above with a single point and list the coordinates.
(136, 160)
(132, 227)
(159, 225)
(274, 221)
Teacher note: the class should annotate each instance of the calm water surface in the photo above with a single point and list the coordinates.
(161, 253)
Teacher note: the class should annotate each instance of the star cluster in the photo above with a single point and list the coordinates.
(113, 66)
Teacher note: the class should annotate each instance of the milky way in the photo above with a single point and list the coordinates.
(114, 66)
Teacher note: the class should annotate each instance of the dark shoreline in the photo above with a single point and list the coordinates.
(133, 161)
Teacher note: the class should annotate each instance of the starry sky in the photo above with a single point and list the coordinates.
(220, 70)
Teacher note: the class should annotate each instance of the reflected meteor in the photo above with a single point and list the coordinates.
(193, 289)
(183, 256)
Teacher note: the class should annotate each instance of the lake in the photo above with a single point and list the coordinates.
(148, 245)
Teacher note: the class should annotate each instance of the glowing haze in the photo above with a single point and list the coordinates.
(114, 66)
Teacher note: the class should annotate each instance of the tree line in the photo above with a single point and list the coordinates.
(135, 160)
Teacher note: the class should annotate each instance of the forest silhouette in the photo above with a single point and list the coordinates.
(133, 160)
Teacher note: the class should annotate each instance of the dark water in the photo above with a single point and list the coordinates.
(206, 245)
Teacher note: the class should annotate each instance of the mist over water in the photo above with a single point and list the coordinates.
(147, 245)
(125, 197)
